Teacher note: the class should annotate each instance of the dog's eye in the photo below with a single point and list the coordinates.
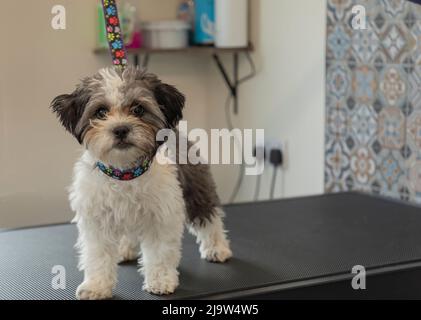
(101, 113)
(138, 110)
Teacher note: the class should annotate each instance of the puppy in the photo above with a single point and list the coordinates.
(127, 204)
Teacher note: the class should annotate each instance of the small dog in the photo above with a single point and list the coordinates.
(128, 205)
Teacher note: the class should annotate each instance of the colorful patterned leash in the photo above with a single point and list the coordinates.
(114, 34)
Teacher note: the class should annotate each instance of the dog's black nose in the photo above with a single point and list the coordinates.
(121, 132)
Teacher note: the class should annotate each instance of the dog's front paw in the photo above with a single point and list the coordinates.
(93, 291)
(161, 282)
(220, 252)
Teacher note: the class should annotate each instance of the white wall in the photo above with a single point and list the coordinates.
(286, 98)
(38, 63)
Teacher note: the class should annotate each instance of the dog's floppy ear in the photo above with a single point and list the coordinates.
(69, 109)
(171, 102)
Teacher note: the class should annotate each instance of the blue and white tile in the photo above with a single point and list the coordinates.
(338, 42)
(397, 42)
(391, 128)
(395, 9)
(363, 125)
(393, 86)
(338, 10)
(365, 44)
(363, 167)
(413, 165)
(338, 80)
(391, 173)
(364, 84)
(414, 88)
(337, 164)
(337, 121)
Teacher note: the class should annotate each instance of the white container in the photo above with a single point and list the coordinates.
(172, 34)
(231, 23)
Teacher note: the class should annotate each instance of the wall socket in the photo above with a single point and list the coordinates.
(265, 188)
(273, 143)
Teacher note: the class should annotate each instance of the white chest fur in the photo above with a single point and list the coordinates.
(156, 196)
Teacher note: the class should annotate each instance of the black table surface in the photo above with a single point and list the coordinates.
(277, 245)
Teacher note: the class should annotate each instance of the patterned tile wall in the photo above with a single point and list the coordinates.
(373, 91)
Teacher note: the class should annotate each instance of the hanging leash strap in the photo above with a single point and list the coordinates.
(119, 57)
(114, 33)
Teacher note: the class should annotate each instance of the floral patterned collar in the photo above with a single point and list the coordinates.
(124, 175)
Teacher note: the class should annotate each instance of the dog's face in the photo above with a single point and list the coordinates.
(116, 116)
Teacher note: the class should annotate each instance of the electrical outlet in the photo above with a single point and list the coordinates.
(272, 143)
(268, 145)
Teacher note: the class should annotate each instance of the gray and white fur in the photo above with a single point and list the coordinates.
(116, 115)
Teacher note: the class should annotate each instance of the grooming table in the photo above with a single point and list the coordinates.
(295, 248)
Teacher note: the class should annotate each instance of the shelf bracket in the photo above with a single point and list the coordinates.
(232, 85)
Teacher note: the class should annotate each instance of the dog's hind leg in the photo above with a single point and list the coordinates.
(211, 237)
(161, 253)
(129, 248)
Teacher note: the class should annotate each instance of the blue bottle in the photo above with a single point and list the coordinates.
(204, 22)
